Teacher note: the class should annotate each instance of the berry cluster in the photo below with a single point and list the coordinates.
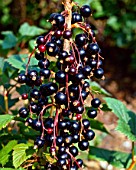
(62, 94)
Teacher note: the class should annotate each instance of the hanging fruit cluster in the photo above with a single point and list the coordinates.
(63, 93)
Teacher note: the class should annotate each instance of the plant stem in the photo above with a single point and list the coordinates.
(68, 9)
(6, 100)
(133, 158)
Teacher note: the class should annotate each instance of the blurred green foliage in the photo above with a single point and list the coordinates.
(115, 20)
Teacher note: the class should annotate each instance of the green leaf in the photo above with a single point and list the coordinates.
(9, 41)
(82, 2)
(17, 61)
(95, 124)
(1, 64)
(4, 152)
(97, 89)
(116, 158)
(12, 169)
(19, 154)
(127, 119)
(27, 30)
(4, 120)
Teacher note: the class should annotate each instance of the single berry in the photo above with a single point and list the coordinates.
(40, 40)
(67, 34)
(45, 72)
(89, 134)
(98, 73)
(76, 17)
(73, 150)
(93, 48)
(22, 78)
(39, 142)
(44, 63)
(95, 102)
(60, 98)
(81, 39)
(60, 76)
(35, 94)
(86, 123)
(39, 56)
(83, 145)
(23, 112)
(85, 11)
(92, 113)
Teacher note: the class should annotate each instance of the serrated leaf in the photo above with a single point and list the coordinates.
(17, 61)
(95, 124)
(4, 120)
(127, 119)
(19, 154)
(9, 41)
(27, 30)
(96, 88)
(116, 158)
(4, 152)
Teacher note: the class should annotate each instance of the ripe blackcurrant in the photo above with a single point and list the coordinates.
(95, 102)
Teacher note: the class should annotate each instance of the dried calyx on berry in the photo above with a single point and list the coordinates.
(57, 99)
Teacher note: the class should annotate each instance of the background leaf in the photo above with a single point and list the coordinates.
(4, 152)
(19, 154)
(4, 120)
(116, 158)
(17, 61)
(9, 41)
(27, 30)
(127, 119)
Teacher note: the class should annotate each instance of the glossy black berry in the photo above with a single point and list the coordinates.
(92, 113)
(29, 122)
(73, 150)
(85, 11)
(22, 78)
(58, 33)
(45, 72)
(84, 94)
(48, 89)
(60, 98)
(52, 49)
(78, 78)
(73, 168)
(76, 137)
(60, 76)
(67, 34)
(93, 48)
(44, 63)
(39, 142)
(68, 140)
(86, 70)
(59, 20)
(79, 162)
(89, 134)
(86, 123)
(39, 55)
(98, 73)
(63, 55)
(59, 140)
(86, 85)
(35, 94)
(37, 125)
(83, 145)
(81, 39)
(92, 63)
(75, 127)
(62, 149)
(61, 162)
(40, 40)
(23, 112)
(32, 74)
(76, 17)
(62, 125)
(49, 123)
(95, 102)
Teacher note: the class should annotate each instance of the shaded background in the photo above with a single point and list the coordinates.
(114, 22)
(115, 26)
